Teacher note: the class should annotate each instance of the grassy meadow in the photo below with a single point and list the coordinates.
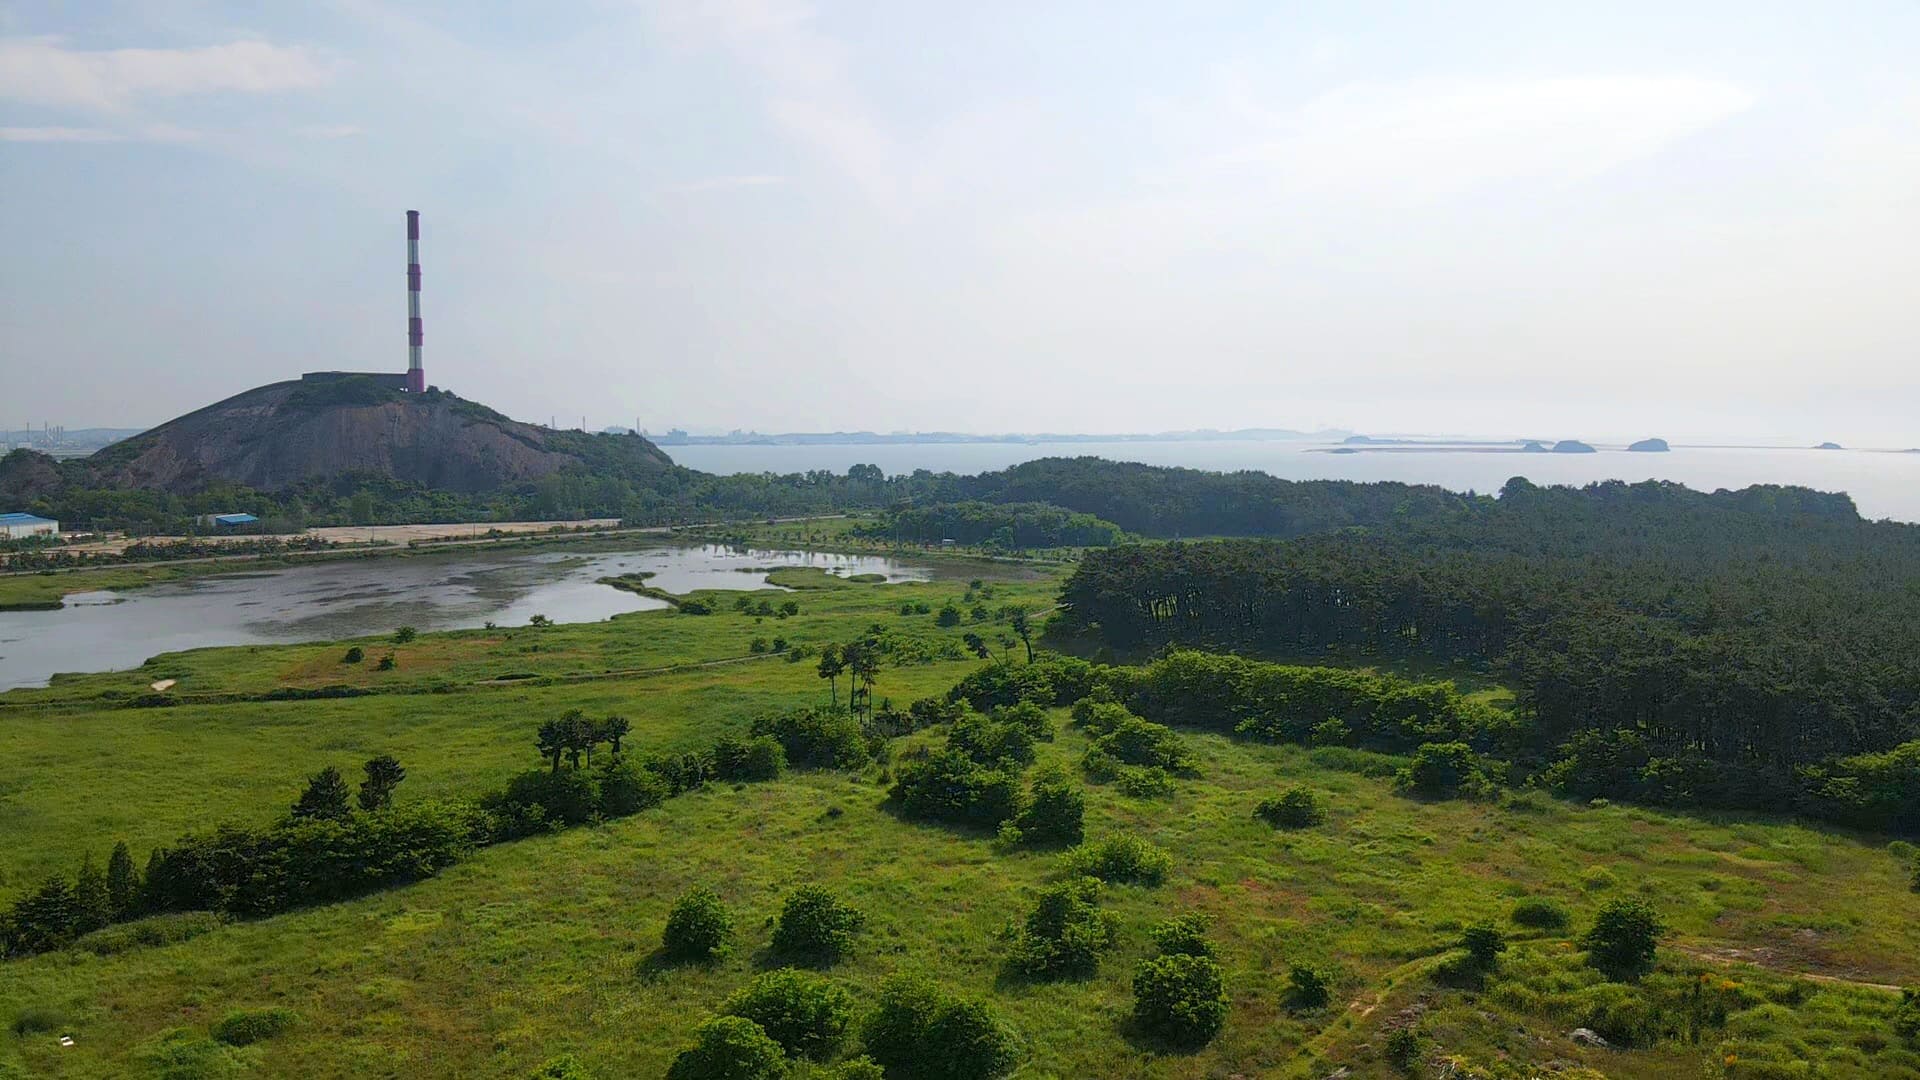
(548, 944)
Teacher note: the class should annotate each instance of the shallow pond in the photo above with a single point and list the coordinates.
(105, 631)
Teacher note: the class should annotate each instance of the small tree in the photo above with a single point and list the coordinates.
(383, 774)
(1307, 987)
(1023, 629)
(1053, 812)
(830, 667)
(404, 635)
(1183, 935)
(1180, 998)
(1623, 938)
(552, 741)
(918, 1032)
(325, 796)
(123, 882)
(354, 655)
(863, 664)
(93, 905)
(699, 927)
(1484, 944)
(1294, 808)
(949, 615)
(1064, 934)
(45, 918)
(730, 1048)
(815, 924)
(612, 730)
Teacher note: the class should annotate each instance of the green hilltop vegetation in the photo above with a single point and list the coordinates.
(1238, 808)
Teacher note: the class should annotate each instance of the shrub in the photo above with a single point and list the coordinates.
(1622, 939)
(244, 1027)
(1484, 944)
(1442, 771)
(949, 786)
(354, 655)
(815, 923)
(1064, 934)
(1028, 716)
(1179, 998)
(817, 739)
(990, 742)
(1100, 766)
(680, 772)
(1134, 741)
(571, 796)
(38, 1019)
(760, 758)
(564, 1067)
(1140, 783)
(949, 615)
(1308, 987)
(1540, 914)
(386, 663)
(150, 931)
(1906, 1016)
(916, 1032)
(1294, 808)
(626, 789)
(1053, 810)
(1403, 1048)
(1183, 935)
(729, 1048)
(806, 1014)
(404, 635)
(699, 927)
(1121, 859)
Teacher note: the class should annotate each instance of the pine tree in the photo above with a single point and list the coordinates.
(383, 775)
(43, 919)
(325, 797)
(123, 884)
(93, 908)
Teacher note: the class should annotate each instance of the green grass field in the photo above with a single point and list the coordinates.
(542, 946)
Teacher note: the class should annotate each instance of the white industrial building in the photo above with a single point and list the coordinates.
(23, 526)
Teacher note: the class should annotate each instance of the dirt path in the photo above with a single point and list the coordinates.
(1731, 956)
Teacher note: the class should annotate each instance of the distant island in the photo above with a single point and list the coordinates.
(1650, 446)
(1829, 446)
(679, 437)
(1572, 446)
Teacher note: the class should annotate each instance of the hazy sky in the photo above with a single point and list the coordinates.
(1685, 219)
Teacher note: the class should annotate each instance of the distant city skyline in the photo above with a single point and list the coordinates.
(1699, 222)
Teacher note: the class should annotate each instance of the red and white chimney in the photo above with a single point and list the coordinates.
(416, 375)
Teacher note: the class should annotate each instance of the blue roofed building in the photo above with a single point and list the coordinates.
(230, 521)
(24, 526)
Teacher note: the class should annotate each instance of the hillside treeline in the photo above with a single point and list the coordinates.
(1010, 526)
(1730, 649)
(1145, 499)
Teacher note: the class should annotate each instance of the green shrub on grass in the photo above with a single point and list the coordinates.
(1403, 1048)
(1623, 937)
(699, 927)
(244, 1027)
(627, 789)
(758, 758)
(1308, 987)
(1183, 935)
(730, 1048)
(564, 1067)
(1483, 944)
(1294, 808)
(1029, 717)
(1443, 771)
(1064, 934)
(571, 796)
(1053, 809)
(1540, 913)
(1906, 1016)
(803, 1012)
(917, 1032)
(1143, 783)
(1180, 998)
(354, 655)
(1122, 859)
(38, 1019)
(815, 924)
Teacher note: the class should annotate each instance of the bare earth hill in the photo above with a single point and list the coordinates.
(278, 435)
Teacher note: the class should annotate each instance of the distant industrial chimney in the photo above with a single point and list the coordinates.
(416, 375)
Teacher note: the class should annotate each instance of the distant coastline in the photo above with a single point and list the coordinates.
(677, 437)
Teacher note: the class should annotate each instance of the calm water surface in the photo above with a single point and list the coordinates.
(1883, 485)
(105, 631)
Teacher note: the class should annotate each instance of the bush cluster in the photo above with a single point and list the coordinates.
(1053, 810)
(698, 928)
(951, 787)
(1121, 859)
(824, 739)
(1294, 808)
(1540, 913)
(917, 1032)
(1064, 934)
(803, 1012)
(815, 924)
(244, 1027)
(1623, 938)
(730, 1048)
(1180, 998)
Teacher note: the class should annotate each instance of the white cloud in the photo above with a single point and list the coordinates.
(41, 71)
(58, 135)
(1419, 141)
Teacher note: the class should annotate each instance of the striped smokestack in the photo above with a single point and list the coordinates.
(416, 375)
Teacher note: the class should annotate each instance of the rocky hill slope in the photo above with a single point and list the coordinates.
(276, 436)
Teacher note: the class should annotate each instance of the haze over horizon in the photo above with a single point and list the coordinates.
(1700, 224)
